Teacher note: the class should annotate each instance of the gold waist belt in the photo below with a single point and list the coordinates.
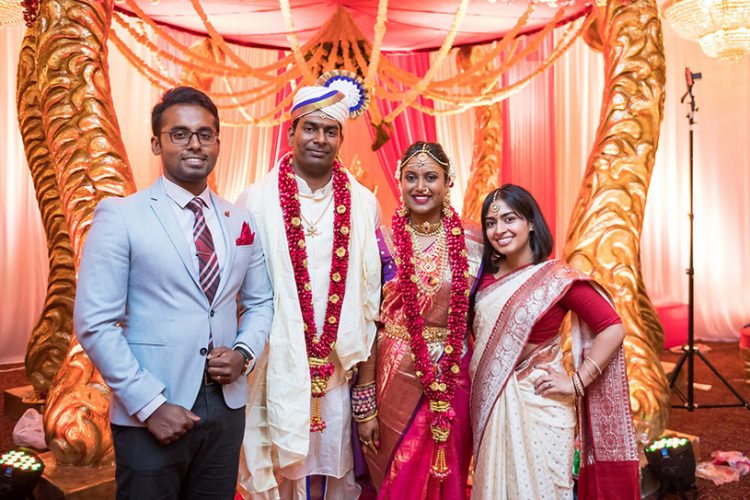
(431, 334)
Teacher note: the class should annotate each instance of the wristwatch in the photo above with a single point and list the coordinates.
(248, 357)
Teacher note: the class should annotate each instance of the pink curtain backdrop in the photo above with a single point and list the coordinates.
(279, 143)
(410, 126)
(529, 133)
(453, 132)
(722, 221)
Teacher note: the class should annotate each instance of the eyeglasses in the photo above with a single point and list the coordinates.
(183, 136)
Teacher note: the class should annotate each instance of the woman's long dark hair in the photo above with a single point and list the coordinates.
(523, 203)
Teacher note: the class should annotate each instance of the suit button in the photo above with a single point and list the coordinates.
(203, 351)
(212, 313)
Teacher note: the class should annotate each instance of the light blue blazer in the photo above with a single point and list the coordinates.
(140, 313)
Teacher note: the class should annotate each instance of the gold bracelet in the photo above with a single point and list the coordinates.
(366, 419)
(577, 384)
(595, 365)
(588, 370)
(365, 385)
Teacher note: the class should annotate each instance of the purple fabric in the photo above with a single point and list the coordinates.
(386, 259)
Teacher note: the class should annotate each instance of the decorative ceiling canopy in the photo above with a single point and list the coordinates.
(338, 44)
(411, 26)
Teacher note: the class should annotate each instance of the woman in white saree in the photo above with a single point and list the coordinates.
(523, 403)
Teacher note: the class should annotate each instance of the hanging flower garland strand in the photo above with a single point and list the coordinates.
(438, 380)
(318, 348)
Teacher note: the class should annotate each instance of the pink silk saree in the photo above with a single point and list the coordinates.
(401, 468)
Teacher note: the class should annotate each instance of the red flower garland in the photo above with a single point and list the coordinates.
(30, 11)
(439, 381)
(318, 348)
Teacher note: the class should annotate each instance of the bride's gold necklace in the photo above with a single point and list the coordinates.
(429, 265)
(427, 228)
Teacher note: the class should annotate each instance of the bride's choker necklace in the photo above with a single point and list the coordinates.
(426, 228)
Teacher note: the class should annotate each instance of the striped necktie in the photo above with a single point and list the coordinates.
(208, 265)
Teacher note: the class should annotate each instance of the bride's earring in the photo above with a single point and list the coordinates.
(402, 210)
(447, 210)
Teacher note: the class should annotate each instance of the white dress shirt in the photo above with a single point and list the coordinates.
(180, 197)
(186, 218)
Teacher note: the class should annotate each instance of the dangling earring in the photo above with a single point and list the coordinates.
(402, 210)
(447, 209)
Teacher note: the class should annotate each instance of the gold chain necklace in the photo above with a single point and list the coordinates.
(311, 228)
(429, 265)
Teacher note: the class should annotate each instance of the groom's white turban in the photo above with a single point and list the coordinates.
(329, 101)
(338, 94)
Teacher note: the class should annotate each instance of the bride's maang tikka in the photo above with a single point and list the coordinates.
(422, 153)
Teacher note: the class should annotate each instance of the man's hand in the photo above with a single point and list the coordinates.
(225, 365)
(169, 422)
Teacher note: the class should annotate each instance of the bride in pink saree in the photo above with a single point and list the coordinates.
(412, 396)
(527, 412)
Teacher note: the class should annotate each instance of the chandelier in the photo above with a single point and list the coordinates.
(11, 12)
(721, 27)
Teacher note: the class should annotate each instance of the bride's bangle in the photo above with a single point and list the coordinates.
(364, 402)
(362, 420)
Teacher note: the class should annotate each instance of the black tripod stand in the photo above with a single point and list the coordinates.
(689, 351)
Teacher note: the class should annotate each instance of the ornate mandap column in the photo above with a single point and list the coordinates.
(50, 339)
(605, 228)
(74, 149)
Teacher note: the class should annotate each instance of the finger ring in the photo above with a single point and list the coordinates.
(366, 443)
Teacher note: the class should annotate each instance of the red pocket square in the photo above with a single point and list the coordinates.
(247, 236)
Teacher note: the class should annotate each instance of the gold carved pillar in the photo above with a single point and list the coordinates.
(605, 228)
(89, 163)
(50, 339)
(486, 160)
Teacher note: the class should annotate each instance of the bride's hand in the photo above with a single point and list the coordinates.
(553, 383)
(369, 435)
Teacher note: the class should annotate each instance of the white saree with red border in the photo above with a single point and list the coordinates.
(523, 442)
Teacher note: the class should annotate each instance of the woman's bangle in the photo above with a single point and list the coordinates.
(593, 377)
(595, 364)
(577, 384)
(362, 420)
(364, 401)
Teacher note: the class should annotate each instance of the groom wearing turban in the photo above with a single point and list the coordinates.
(317, 225)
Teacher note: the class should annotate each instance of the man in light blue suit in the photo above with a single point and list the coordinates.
(173, 304)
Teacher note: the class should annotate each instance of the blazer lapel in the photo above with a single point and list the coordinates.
(165, 215)
(225, 221)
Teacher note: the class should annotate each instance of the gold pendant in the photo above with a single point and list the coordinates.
(311, 231)
(429, 267)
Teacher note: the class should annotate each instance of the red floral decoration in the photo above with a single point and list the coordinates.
(30, 11)
(318, 348)
(438, 380)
